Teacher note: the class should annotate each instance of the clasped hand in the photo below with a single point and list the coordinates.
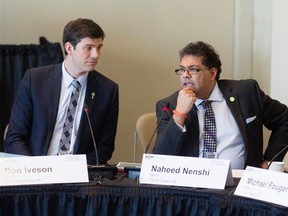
(186, 99)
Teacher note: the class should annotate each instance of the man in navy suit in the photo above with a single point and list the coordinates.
(241, 110)
(40, 106)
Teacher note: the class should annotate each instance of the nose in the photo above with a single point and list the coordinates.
(95, 53)
(186, 73)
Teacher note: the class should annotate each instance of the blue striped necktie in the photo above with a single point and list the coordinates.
(65, 140)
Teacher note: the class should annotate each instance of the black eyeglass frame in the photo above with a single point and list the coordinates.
(191, 70)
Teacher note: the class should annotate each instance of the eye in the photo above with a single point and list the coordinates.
(193, 70)
(99, 47)
(87, 48)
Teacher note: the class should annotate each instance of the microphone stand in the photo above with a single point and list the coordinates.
(134, 172)
(165, 109)
(97, 172)
(272, 160)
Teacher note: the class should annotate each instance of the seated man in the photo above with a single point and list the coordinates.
(219, 118)
(48, 116)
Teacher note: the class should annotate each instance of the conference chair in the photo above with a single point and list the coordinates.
(145, 127)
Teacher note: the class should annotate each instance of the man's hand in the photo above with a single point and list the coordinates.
(185, 101)
(264, 164)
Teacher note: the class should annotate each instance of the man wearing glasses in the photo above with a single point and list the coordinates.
(215, 118)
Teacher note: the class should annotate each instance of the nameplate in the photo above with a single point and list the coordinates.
(185, 171)
(265, 185)
(43, 170)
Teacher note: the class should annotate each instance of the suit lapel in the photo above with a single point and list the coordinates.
(54, 88)
(91, 94)
(233, 102)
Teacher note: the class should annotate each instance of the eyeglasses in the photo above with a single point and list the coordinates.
(191, 70)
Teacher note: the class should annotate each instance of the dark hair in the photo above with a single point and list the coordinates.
(210, 57)
(78, 29)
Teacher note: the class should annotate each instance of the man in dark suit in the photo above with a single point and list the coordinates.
(241, 109)
(39, 112)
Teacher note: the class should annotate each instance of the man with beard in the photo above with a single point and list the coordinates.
(238, 110)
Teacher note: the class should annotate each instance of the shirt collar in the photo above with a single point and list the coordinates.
(216, 95)
(68, 79)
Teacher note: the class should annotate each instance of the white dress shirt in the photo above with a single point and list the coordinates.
(65, 95)
(230, 143)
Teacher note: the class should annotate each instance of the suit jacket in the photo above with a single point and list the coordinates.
(251, 108)
(35, 108)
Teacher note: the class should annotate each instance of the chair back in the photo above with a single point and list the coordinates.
(145, 127)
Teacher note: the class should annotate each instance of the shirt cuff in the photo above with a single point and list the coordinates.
(183, 129)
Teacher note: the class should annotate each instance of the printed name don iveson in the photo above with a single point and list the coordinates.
(179, 170)
(28, 170)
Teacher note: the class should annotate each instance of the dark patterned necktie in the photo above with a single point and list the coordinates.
(68, 124)
(210, 143)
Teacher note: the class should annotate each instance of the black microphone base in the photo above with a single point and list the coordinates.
(133, 172)
(103, 171)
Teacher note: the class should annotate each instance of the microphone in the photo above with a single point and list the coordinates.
(91, 131)
(165, 109)
(134, 171)
(272, 160)
(96, 172)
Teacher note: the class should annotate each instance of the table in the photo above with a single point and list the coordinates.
(122, 196)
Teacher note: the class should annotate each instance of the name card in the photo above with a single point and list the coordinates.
(43, 170)
(265, 185)
(185, 171)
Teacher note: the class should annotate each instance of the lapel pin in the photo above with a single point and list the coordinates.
(92, 95)
(232, 99)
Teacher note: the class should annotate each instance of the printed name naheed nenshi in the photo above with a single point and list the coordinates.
(196, 171)
(164, 169)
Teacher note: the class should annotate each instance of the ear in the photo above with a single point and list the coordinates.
(213, 73)
(68, 47)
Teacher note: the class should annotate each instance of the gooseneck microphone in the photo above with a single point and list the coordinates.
(165, 109)
(272, 160)
(97, 172)
(91, 131)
